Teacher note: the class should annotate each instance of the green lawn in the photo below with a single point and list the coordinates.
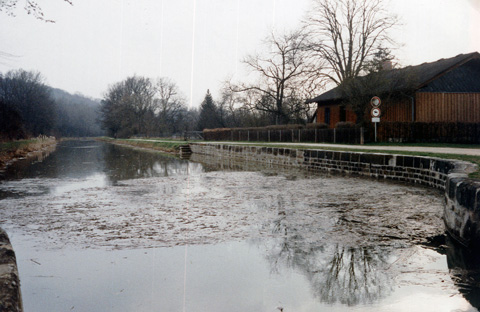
(6, 147)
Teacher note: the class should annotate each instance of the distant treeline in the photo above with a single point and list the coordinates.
(29, 107)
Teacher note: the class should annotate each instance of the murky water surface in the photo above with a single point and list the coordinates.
(98, 227)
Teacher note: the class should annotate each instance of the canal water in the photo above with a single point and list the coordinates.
(100, 227)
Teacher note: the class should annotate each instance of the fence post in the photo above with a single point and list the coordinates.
(315, 135)
(280, 135)
(299, 135)
(231, 135)
(292, 135)
(334, 135)
(268, 135)
(362, 138)
(258, 135)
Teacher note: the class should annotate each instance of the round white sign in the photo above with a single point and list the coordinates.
(375, 101)
(376, 112)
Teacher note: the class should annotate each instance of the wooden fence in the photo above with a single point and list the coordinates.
(435, 132)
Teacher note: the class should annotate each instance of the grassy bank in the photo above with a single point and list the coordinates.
(17, 149)
(166, 146)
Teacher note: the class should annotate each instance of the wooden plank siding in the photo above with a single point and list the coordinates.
(429, 107)
(449, 107)
(397, 110)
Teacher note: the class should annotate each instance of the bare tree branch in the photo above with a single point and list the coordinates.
(345, 33)
(280, 74)
(30, 6)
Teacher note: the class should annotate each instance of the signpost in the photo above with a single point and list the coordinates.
(375, 102)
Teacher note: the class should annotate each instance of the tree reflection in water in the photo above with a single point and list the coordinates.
(337, 273)
(135, 163)
(464, 266)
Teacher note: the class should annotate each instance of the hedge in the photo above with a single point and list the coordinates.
(423, 132)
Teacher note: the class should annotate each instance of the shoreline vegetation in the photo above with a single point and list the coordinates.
(14, 150)
(167, 146)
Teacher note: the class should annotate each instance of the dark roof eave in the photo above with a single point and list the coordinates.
(333, 94)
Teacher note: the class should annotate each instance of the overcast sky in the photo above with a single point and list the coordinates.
(197, 43)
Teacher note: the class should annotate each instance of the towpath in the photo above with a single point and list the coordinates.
(403, 148)
(393, 148)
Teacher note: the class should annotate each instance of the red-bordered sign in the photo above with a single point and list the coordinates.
(375, 101)
(376, 112)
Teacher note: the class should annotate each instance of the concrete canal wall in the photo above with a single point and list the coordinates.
(462, 195)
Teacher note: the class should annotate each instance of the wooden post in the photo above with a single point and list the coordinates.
(315, 135)
(334, 135)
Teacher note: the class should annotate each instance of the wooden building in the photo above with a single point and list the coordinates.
(447, 90)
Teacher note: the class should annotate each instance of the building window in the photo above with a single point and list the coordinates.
(343, 113)
(327, 115)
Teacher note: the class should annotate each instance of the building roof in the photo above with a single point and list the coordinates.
(438, 76)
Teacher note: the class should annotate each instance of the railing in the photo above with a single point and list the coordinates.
(193, 135)
(339, 135)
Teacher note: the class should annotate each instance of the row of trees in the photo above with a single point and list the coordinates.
(338, 41)
(28, 107)
(140, 106)
(145, 107)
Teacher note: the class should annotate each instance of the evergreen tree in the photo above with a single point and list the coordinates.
(208, 118)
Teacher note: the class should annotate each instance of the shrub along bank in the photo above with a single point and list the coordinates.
(12, 150)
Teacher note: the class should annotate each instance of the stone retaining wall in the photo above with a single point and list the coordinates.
(10, 297)
(462, 195)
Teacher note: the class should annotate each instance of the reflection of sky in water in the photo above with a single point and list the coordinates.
(96, 180)
(294, 264)
(224, 277)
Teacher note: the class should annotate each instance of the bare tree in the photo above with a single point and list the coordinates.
(30, 6)
(343, 35)
(279, 73)
(169, 105)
